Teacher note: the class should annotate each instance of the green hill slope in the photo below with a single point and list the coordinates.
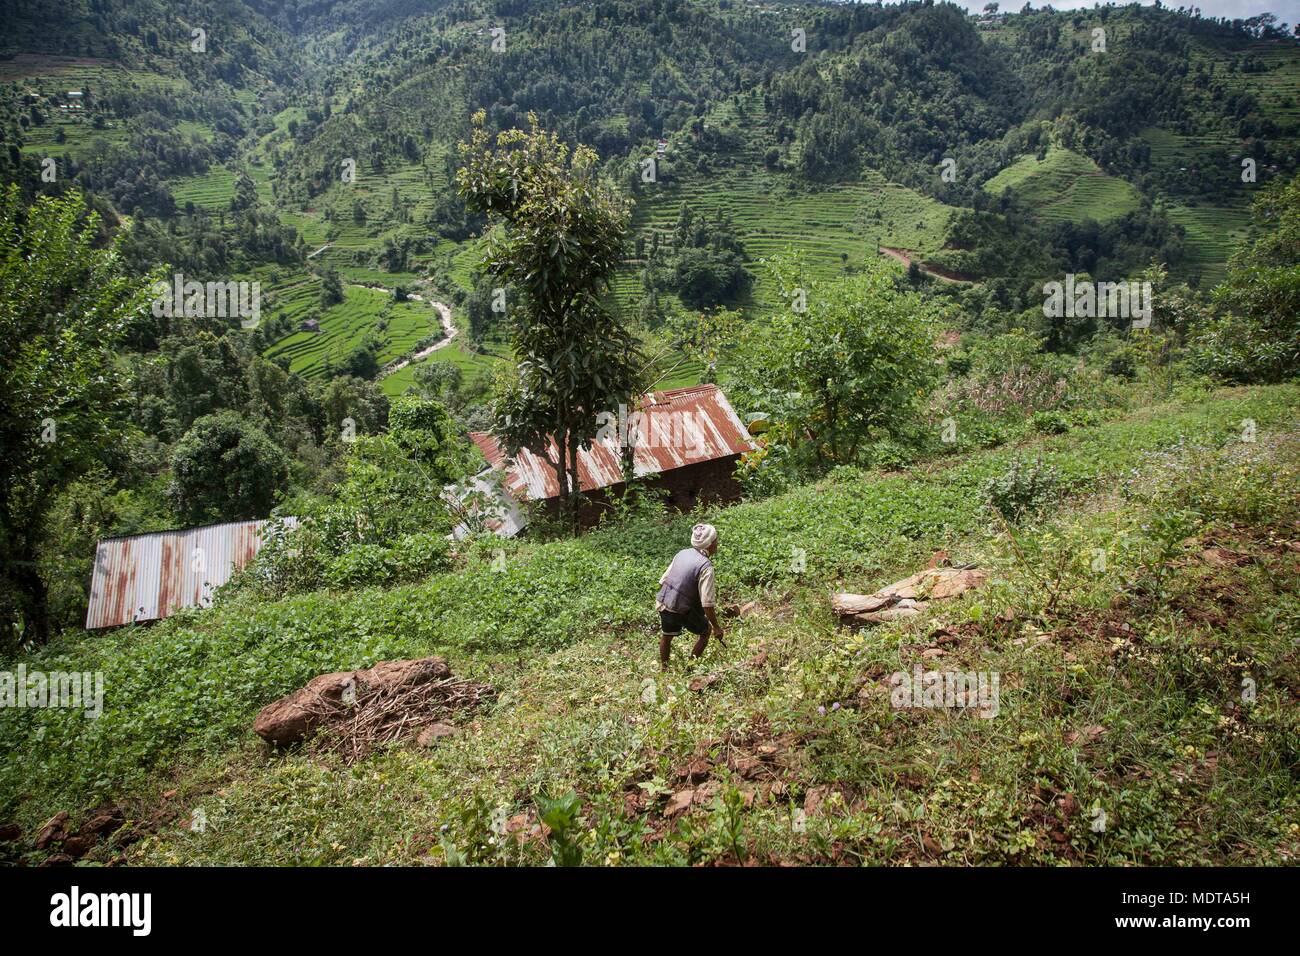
(1093, 684)
(1066, 186)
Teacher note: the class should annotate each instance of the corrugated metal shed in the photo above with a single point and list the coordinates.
(672, 429)
(149, 576)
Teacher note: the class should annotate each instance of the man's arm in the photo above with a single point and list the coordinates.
(708, 598)
(712, 615)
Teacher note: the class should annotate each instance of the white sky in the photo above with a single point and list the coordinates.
(1285, 10)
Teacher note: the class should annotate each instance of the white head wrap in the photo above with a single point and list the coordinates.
(703, 535)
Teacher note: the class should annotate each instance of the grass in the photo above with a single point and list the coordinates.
(1135, 720)
(212, 190)
(399, 325)
(1066, 185)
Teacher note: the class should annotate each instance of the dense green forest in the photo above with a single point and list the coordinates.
(847, 215)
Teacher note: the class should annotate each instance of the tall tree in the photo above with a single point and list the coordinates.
(851, 358)
(558, 237)
(225, 469)
(65, 304)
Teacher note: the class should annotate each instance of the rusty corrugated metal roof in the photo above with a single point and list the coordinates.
(672, 429)
(149, 576)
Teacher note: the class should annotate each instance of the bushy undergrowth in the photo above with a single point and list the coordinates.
(190, 685)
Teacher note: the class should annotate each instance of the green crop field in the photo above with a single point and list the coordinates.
(212, 190)
(1276, 86)
(1174, 151)
(1066, 186)
(1213, 232)
(833, 227)
(80, 137)
(473, 366)
(400, 325)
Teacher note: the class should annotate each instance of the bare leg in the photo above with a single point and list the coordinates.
(700, 645)
(665, 645)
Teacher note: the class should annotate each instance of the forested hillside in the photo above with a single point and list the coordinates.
(456, 216)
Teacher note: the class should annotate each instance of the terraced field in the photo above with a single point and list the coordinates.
(1173, 151)
(38, 71)
(834, 227)
(400, 326)
(352, 244)
(47, 76)
(212, 190)
(473, 365)
(1065, 185)
(1213, 233)
(80, 137)
(293, 295)
(465, 258)
(1277, 86)
(1213, 230)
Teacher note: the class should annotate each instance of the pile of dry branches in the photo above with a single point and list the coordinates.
(373, 719)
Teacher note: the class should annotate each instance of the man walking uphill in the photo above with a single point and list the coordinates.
(687, 594)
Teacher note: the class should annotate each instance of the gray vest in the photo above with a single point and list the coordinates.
(680, 591)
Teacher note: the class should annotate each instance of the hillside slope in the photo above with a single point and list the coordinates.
(1102, 668)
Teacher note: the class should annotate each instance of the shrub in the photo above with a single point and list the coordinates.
(1022, 489)
(1051, 423)
(225, 469)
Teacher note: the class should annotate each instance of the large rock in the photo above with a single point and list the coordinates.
(53, 831)
(296, 716)
(908, 597)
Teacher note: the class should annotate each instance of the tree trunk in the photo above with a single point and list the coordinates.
(33, 597)
(575, 487)
(562, 472)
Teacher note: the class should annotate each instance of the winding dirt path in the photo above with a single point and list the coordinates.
(444, 313)
(448, 327)
(902, 256)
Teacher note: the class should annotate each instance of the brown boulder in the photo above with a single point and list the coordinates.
(10, 832)
(77, 846)
(53, 831)
(296, 716)
(103, 823)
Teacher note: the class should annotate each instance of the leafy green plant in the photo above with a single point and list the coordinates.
(1022, 489)
(852, 357)
(729, 808)
(561, 815)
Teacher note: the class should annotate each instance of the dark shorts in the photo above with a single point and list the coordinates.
(694, 621)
